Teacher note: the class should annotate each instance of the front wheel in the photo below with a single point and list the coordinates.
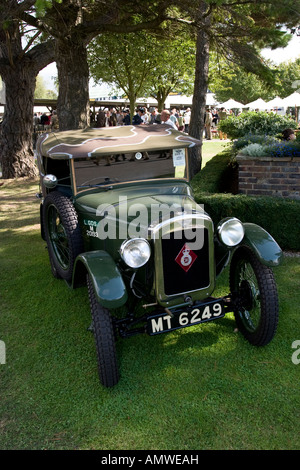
(105, 340)
(254, 289)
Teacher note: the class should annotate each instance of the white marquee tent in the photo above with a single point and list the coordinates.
(231, 104)
(293, 100)
(257, 104)
(276, 102)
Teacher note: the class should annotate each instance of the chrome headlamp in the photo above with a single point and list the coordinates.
(231, 231)
(135, 252)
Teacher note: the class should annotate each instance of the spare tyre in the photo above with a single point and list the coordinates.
(62, 234)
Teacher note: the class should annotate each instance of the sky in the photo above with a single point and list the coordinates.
(291, 52)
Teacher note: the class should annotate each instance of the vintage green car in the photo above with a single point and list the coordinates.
(117, 212)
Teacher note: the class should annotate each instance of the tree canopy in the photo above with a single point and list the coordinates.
(144, 63)
(237, 29)
(228, 81)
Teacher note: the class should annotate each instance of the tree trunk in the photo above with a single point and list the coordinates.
(16, 149)
(161, 102)
(200, 90)
(73, 106)
(18, 69)
(161, 96)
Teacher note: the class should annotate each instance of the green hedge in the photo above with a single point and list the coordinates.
(280, 217)
(218, 175)
(256, 123)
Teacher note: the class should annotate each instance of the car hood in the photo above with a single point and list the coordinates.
(152, 204)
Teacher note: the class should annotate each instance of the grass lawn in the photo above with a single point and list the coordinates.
(198, 388)
(211, 148)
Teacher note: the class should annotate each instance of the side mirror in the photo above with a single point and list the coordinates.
(50, 181)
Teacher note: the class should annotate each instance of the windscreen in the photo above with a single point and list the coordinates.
(107, 170)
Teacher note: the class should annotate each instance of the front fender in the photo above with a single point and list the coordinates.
(106, 278)
(263, 244)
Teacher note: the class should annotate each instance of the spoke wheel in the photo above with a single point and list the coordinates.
(62, 234)
(255, 293)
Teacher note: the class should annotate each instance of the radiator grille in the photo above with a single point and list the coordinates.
(177, 277)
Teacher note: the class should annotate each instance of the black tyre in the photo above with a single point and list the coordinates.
(254, 289)
(62, 234)
(42, 223)
(105, 340)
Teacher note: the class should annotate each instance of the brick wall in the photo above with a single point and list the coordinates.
(268, 176)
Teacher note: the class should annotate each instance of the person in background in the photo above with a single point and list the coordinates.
(120, 117)
(154, 117)
(187, 118)
(54, 121)
(215, 118)
(107, 116)
(288, 134)
(36, 122)
(222, 116)
(208, 123)
(165, 118)
(145, 116)
(181, 122)
(137, 118)
(47, 124)
(174, 117)
(126, 118)
(100, 118)
(92, 117)
(112, 118)
(44, 120)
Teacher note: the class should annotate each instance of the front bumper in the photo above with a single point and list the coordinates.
(164, 320)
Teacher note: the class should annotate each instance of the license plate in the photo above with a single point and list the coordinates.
(199, 313)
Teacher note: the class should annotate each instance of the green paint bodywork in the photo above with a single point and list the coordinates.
(263, 244)
(107, 281)
(101, 257)
(159, 192)
(101, 261)
(125, 211)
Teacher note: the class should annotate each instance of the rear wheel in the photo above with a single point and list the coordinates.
(62, 234)
(256, 299)
(104, 339)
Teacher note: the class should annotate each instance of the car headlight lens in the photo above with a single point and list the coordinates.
(231, 231)
(135, 252)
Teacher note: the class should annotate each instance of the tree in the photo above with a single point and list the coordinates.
(232, 81)
(19, 66)
(64, 29)
(73, 24)
(174, 68)
(238, 30)
(123, 60)
(288, 78)
(143, 63)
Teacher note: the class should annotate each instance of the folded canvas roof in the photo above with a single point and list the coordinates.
(95, 142)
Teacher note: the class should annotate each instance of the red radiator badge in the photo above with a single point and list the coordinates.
(185, 258)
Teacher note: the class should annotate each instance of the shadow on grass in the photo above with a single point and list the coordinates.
(202, 387)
